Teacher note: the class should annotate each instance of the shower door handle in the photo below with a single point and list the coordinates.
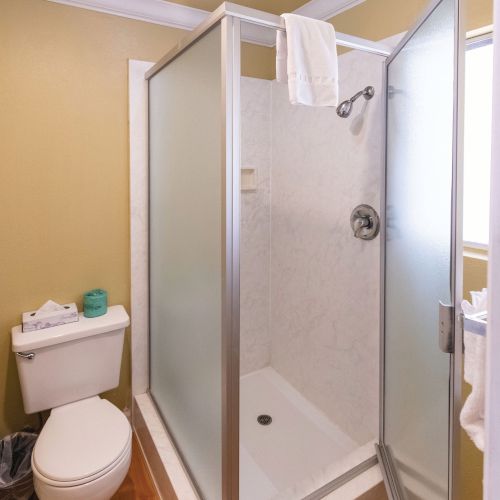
(446, 330)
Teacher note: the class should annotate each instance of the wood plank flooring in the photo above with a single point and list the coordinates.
(376, 493)
(138, 484)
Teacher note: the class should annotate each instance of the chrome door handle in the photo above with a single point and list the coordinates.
(26, 355)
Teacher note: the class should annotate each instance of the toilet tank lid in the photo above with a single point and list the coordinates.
(115, 318)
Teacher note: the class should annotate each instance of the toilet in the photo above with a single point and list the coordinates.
(84, 448)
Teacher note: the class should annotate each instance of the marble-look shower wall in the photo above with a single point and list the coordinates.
(255, 235)
(324, 320)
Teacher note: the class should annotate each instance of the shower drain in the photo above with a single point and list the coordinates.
(264, 419)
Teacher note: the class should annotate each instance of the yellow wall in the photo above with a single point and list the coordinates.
(379, 19)
(64, 164)
(258, 61)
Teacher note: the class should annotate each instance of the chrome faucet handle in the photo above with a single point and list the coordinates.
(360, 223)
(365, 222)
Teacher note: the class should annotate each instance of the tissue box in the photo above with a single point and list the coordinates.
(36, 320)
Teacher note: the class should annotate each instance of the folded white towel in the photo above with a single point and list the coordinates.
(472, 414)
(306, 58)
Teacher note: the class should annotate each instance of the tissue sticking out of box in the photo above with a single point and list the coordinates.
(50, 314)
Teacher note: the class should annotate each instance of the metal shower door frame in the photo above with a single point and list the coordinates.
(230, 206)
(388, 468)
(230, 16)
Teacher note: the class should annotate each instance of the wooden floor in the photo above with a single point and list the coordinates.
(138, 485)
(376, 493)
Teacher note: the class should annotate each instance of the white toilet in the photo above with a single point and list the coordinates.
(84, 449)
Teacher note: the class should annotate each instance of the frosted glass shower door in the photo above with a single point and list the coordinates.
(185, 189)
(419, 253)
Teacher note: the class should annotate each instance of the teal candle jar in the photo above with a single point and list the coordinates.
(95, 303)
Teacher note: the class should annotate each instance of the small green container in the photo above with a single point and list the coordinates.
(95, 303)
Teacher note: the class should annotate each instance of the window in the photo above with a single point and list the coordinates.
(477, 140)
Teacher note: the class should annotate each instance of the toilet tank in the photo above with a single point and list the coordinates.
(70, 362)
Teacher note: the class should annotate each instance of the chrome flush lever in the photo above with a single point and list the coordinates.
(26, 355)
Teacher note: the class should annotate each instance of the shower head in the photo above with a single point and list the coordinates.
(344, 108)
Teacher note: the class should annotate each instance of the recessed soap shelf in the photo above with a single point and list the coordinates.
(248, 179)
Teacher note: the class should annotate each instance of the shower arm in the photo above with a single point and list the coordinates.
(366, 92)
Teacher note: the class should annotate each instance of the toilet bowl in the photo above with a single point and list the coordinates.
(83, 451)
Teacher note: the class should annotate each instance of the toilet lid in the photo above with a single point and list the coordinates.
(81, 439)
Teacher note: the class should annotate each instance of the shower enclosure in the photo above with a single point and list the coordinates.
(287, 353)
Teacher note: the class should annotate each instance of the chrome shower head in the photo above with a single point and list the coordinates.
(345, 107)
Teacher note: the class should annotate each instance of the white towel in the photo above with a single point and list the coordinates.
(472, 414)
(306, 58)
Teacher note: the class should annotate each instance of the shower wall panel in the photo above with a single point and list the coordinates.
(255, 245)
(324, 320)
(309, 289)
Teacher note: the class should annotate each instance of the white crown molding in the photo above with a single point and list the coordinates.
(151, 11)
(180, 16)
(325, 9)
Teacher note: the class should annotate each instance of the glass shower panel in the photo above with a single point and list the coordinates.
(185, 130)
(418, 253)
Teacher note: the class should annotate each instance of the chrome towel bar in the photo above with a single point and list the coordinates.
(476, 323)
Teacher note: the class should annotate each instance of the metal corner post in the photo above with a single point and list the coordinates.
(230, 81)
(382, 236)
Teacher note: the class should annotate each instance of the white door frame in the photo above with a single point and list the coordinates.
(492, 409)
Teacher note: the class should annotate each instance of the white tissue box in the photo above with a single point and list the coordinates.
(37, 320)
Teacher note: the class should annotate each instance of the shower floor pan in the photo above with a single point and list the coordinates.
(283, 458)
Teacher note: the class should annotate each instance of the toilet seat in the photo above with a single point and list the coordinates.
(100, 488)
(81, 442)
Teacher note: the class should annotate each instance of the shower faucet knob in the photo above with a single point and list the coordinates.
(360, 223)
(365, 222)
